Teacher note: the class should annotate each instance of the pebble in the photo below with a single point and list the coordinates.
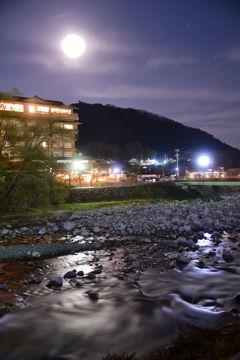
(42, 231)
(3, 287)
(227, 255)
(93, 295)
(183, 259)
(68, 225)
(35, 254)
(70, 274)
(80, 273)
(91, 275)
(57, 282)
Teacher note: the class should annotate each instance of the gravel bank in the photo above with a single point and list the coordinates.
(90, 229)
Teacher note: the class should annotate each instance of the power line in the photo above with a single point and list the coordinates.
(148, 57)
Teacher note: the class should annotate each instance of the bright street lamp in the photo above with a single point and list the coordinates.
(203, 160)
(79, 166)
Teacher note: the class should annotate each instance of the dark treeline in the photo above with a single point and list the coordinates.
(135, 149)
(108, 131)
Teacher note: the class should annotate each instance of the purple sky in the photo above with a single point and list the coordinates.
(193, 77)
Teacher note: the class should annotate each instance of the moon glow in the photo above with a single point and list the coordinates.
(73, 46)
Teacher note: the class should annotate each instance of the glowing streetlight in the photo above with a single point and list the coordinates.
(177, 168)
(79, 166)
(203, 160)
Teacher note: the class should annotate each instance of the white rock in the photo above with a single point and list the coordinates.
(5, 232)
(68, 225)
(35, 254)
(42, 231)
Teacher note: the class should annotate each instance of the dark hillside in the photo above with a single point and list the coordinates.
(111, 124)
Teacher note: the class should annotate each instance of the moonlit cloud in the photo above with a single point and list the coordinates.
(164, 93)
(232, 55)
(172, 60)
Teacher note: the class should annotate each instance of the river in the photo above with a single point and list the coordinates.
(135, 313)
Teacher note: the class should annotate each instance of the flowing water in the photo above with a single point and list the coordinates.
(138, 313)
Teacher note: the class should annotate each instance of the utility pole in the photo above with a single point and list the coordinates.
(177, 155)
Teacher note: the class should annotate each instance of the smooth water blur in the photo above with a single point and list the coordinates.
(135, 314)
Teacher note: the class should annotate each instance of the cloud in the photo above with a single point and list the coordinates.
(214, 119)
(164, 93)
(102, 56)
(63, 15)
(172, 60)
(231, 55)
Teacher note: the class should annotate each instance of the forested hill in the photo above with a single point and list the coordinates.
(113, 125)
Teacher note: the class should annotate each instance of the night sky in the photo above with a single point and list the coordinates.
(175, 58)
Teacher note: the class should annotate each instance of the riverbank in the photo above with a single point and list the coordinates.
(164, 191)
(81, 229)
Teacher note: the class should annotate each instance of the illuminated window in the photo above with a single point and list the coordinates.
(31, 109)
(67, 145)
(67, 154)
(11, 107)
(68, 126)
(58, 111)
(42, 109)
(44, 144)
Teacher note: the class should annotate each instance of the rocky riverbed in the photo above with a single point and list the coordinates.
(168, 255)
(170, 225)
(138, 238)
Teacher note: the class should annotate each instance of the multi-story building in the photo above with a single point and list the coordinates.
(63, 149)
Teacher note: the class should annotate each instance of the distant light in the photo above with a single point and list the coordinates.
(203, 160)
(116, 170)
(73, 46)
(177, 169)
(78, 165)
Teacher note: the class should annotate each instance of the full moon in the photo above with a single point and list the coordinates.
(73, 46)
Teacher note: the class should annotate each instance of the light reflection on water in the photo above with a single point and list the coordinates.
(134, 314)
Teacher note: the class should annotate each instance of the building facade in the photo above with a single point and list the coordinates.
(63, 147)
